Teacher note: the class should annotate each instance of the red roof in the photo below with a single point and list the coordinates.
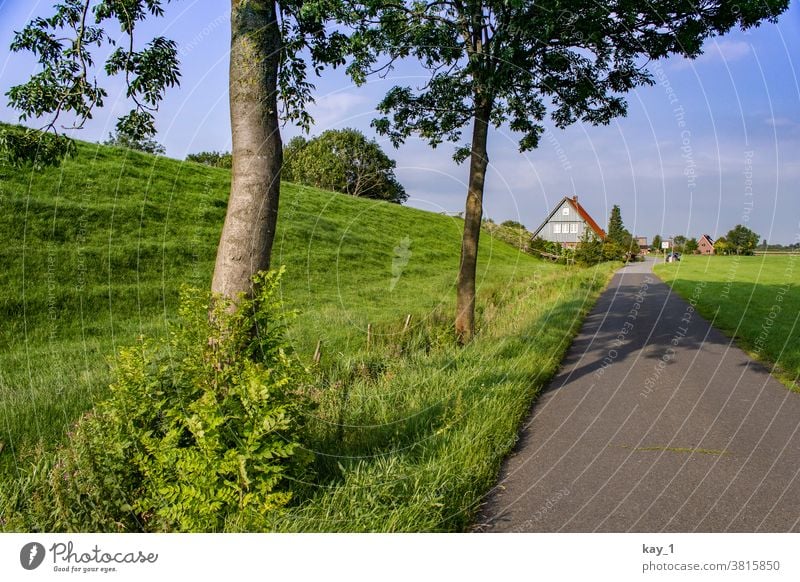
(585, 215)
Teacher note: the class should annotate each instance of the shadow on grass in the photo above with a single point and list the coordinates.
(400, 412)
(631, 321)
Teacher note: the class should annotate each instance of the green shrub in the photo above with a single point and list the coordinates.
(540, 247)
(200, 430)
(590, 250)
(213, 159)
(22, 147)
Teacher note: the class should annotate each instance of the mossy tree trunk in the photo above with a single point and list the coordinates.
(247, 235)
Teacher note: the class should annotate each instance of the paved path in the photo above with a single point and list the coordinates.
(656, 422)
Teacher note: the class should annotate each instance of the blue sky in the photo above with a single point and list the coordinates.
(715, 143)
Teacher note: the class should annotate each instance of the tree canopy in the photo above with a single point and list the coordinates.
(122, 139)
(656, 243)
(343, 161)
(213, 158)
(494, 62)
(742, 240)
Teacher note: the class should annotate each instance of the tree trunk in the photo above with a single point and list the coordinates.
(249, 229)
(465, 288)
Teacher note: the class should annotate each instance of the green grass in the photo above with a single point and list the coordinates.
(409, 432)
(755, 300)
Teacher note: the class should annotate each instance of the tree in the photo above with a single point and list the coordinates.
(616, 229)
(722, 246)
(678, 243)
(656, 243)
(591, 249)
(691, 246)
(619, 243)
(495, 62)
(213, 159)
(269, 41)
(513, 224)
(343, 160)
(742, 240)
(143, 144)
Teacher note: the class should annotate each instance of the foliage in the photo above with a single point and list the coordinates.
(199, 429)
(619, 244)
(143, 144)
(67, 43)
(540, 247)
(494, 53)
(616, 229)
(656, 246)
(214, 159)
(20, 147)
(494, 62)
(343, 161)
(691, 246)
(742, 240)
(513, 224)
(63, 45)
(678, 243)
(722, 246)
(590, 249)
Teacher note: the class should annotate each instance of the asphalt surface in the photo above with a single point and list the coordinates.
(656, 422)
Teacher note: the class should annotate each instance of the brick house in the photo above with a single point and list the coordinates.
(705, 246)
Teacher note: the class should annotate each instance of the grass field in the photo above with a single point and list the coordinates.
(755, 300)
(409, 432)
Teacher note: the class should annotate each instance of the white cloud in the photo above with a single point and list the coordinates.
(715, 52)
(341, 109)
(782, 123)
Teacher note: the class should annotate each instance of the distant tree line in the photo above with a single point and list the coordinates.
(342, 160)
(740, 240)
(123, 138)
(213, 159)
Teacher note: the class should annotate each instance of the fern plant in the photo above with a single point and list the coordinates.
(200, 430)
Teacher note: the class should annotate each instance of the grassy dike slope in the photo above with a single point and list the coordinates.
(755, 300)
(408, 434)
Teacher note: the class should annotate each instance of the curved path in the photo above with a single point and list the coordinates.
(656, 422)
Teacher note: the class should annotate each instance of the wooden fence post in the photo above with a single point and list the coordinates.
(318, 352)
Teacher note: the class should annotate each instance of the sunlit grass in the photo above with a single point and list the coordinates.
(756, 300)
(410, 429)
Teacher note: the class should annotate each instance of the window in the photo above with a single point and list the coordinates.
(573, 228)
(556, 228)
(565, 211)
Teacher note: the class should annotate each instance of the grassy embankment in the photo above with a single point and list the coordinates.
(409, 432)
(755, 300)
